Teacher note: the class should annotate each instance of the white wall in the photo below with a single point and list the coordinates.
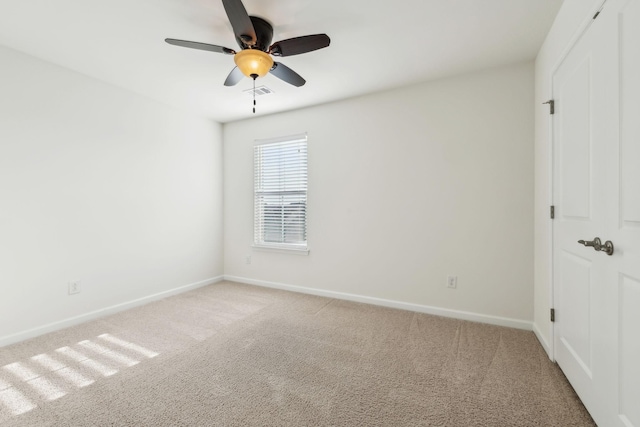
(573, 16)
(405, 188)
(102, 186)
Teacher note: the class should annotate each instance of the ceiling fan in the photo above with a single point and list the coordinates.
(254, 38)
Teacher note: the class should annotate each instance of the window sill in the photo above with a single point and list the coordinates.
(282, 249)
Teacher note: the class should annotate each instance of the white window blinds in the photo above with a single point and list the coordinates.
(280, 192)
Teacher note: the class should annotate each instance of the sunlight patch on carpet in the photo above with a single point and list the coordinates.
(15, 401)
(47, 377)
(128, 345)
(106, 352)
(86, 361)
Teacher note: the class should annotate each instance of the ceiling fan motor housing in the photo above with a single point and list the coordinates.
(264, 35)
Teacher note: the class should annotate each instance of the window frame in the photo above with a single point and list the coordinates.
(259, 243)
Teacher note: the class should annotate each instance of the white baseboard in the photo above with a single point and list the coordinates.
(76, 320)
(543, 342)
(445, 312)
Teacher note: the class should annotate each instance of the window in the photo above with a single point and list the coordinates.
(280, 193)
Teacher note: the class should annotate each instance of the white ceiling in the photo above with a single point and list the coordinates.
(375, 45)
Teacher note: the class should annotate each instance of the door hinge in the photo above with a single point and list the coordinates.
(599, 10)
(552, 211)
(553, 314)
(552, 109)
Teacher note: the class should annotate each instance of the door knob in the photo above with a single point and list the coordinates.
(597, 245)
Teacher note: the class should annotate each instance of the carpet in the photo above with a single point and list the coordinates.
(237, 355)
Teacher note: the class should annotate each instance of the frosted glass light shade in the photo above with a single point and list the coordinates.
(253, 61)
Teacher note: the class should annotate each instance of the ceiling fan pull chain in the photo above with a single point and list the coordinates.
(254, 93)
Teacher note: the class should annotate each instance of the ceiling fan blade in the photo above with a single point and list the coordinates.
(298, 45)
(234, 77)
(286, 74)
(201, 46)
(240, 21)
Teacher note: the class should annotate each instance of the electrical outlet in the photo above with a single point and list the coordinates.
(247, 259)
(74, 287)
(452, 282)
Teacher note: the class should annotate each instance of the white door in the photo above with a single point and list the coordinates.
(597, 194)
(578, 271)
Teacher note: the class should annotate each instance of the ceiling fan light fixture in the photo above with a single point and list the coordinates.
(253, 61)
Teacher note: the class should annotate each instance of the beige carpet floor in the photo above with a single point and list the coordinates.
(237, 355)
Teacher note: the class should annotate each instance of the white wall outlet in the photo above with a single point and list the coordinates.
(74, 287)
(247, 259)
(452, 282)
